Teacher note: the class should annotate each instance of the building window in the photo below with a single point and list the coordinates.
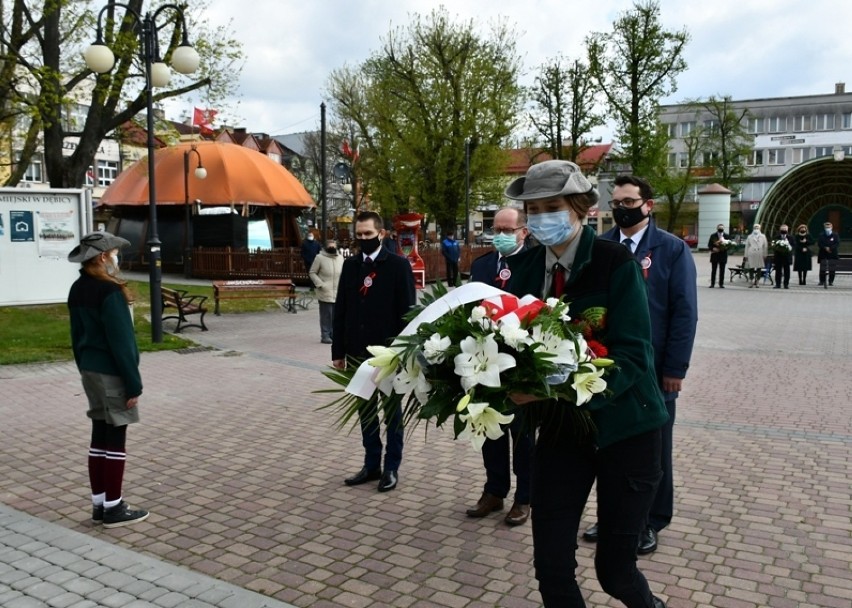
(823, 151)
(801, 123)
(775, 157)
(34, 171)
(846, 120)
(671, 129)
(754, 159)
(107, 172)
(74, 117)
(755, 125)
(710, 159)
(824, 122)
(683, 160)
(672, 159)
(686, 128)
(776, 124)
(711, 127)
(800, 155)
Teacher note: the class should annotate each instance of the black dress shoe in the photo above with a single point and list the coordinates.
(388, 481)
(363, 476)
(591, 535)
(658, 603)
(647, 541)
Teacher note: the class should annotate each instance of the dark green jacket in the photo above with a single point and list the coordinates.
(605, 275)
(102, 334)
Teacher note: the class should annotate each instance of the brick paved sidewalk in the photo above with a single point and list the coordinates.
(243, 474)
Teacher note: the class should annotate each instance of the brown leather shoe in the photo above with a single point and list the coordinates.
(488, 503)
(518, 514)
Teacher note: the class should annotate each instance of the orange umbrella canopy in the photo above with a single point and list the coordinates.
(235, 175)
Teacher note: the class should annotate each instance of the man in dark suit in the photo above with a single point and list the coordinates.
(670, 278)
(718, 256)
(829, 246)
(376, 289)
(510, 234)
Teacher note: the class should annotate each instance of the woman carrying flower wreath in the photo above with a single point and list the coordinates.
(601, 280)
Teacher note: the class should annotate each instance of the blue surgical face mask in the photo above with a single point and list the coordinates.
(550, 228)
(828, 231)
(505, 243)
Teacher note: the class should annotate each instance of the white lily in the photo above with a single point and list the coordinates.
(385, 360)
(481, 363)
(422, 389)
(563, 350)
(587, 383)
(483, 422)
(434, 349)
(407, 377)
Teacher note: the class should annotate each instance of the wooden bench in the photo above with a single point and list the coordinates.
(841, 266)
(255, 288)
(184, 305)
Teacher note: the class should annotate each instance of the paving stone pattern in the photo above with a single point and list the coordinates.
(243, 475)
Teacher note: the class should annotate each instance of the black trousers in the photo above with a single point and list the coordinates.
(452, 272)
(782, 271)
(662, 508)
(713, 267)
(497, 455)
(564, 469)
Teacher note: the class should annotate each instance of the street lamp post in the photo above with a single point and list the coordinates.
(466, 189)
(200, 173)
(99, 58)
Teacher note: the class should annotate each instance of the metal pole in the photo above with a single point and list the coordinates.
(323, 172)
(466, 189)
(154, 260)
(187, 252)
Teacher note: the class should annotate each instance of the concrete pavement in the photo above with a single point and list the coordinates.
(243, 475)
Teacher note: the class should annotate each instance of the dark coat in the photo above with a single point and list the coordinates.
(484, 269)
(450, 250)
(717, 256)
(371, 316)
(604, 276)
(830, 241)
(672, 299)
(802, 254)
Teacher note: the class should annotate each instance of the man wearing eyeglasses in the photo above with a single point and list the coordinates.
(510, 233)
(670, 277)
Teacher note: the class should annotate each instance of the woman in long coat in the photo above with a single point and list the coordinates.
(756, 249)
(802, 255)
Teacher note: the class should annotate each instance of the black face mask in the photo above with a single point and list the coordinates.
(627, 218)
(783, 233)
(368, 246)
(331, 250)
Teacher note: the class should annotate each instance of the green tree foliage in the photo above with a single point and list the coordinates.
(726, 141)
(563, 113)
(42, 60)
(635, 65)
(414, 103)
(676, 184)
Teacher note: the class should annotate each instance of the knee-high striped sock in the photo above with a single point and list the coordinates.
(97, 471)
(114, 475)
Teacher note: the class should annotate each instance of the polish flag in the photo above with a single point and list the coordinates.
(204, 120)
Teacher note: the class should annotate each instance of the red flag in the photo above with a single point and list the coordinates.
(204, 120)
(347, 151)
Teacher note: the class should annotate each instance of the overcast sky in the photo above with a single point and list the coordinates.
(743, 48)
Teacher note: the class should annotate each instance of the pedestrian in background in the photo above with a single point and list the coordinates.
(325, 275)
(501, 459)
(107, 357)
(452, 254)
(310, 249)
(756, 248)
(718, 255)
(782, 257)
(829, 247)
(802, 257)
